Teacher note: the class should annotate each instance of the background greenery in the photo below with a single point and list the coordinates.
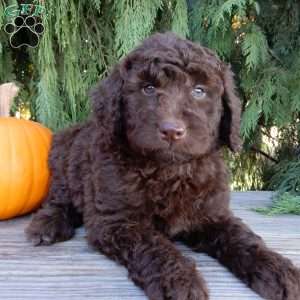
(261, 39)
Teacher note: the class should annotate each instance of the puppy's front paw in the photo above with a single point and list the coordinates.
(197, 290)
(276, 278)
(184, 285)
(47, 227)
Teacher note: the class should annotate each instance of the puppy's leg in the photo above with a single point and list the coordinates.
(56, 220)
(245, 254)
(152, 261)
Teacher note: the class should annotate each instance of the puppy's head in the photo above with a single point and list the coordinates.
(171, 99)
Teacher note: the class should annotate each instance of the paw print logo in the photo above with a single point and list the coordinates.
(24, 32)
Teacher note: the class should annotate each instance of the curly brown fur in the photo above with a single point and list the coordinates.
(146, 168)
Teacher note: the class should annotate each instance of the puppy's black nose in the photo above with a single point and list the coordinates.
(172, 130)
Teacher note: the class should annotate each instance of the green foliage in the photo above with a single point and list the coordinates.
(251, 117)
(283, 204)
(180, 18)
(286, 177)
(6, 61)
(254, 47)
(249, 179)
(134, 21)
(228, 8)
(286, 181)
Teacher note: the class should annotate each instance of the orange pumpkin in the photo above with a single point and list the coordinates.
(24, 174)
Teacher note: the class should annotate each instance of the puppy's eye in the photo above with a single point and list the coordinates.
(149, 90)
(198, 92)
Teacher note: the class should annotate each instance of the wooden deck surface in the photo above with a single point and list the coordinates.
(71, 270)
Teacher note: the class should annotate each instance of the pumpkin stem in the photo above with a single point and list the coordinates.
(8, 91)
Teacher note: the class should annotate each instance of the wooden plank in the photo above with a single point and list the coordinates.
(71, 270)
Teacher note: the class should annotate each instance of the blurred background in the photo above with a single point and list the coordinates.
(82, 39)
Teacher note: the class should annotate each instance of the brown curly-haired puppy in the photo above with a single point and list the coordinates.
(147, 169)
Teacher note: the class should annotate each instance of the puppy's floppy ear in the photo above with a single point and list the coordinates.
(231, 117)
(106, 102)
